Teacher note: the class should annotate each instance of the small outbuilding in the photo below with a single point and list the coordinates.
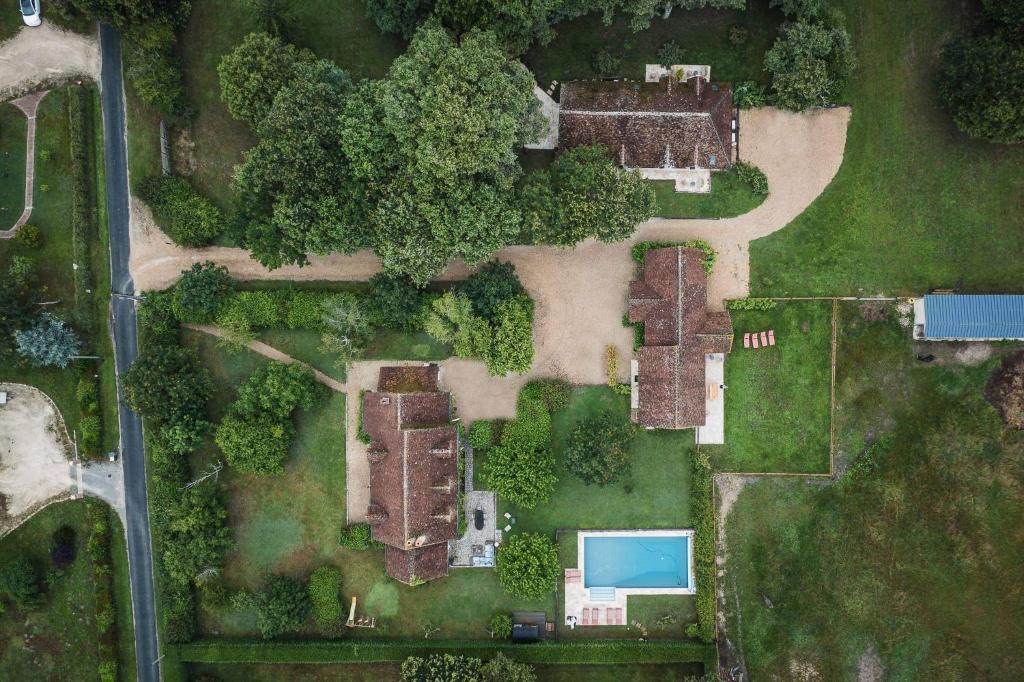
(969, 317)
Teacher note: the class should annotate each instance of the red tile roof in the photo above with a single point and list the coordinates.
(650, 125)
(414, 482)
(671, 301)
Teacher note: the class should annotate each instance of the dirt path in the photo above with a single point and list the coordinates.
(34, 448)
(28, 106)
(272, 353)
(45, 55)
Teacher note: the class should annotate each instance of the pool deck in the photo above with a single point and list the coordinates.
(605, 611)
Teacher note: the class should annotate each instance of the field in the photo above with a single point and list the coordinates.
(58, 640)
(777, 398)
(914, 554)
(916, 204)
(53, 261)
(729, 197)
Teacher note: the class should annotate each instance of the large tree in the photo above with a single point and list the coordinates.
(168, 383)
(981, 81)
(598, 448)
(49, 342)
(252, 74)
(201, 291)
(809, 64)
(528, 566)
(434, 145)
(584, 194)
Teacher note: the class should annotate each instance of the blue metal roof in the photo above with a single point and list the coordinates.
(973, 316)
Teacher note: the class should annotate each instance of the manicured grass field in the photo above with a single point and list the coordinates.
(916, 204)
(729, 197)
(290, 524)
(58, 640)
(337, 30)
(702, 34)
(13, 126)
(656, 495)
(914, 553)
(777, 398)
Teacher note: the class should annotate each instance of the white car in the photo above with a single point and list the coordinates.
(30, 12)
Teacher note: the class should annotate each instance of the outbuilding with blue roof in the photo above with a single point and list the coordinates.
(969, 317)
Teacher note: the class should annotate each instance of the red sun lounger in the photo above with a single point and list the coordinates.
(764, 338)
(753, 340)
(746, 340)
(771, 337)
(586, 616)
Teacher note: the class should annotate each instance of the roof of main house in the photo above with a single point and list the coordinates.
(668, 124)
(974, 316)
(671, 301)
(413, 471)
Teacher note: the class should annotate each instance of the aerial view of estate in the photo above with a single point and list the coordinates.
(511, 340)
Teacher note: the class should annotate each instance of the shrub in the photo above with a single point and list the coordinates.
(640, 249)
(611, 365)
(751, 304)
(670, 53)
(605, 62)
(521, 468)
(481, 434)
(703, 514)
(187, 217)
(395, 302)
(87, 393)
(357, 536)
(201, 291)
(158, 323)
(263, 309)
(809, 64)
(90, 428)
(752, 176)
(152, 67)
(598, 449)
(324, 594)
(738, 35)
(282, 606)
(501, 626)
(452, 321)
(748, 95)
(493, 283)
(511, 349)
(21, 271)
(19, 583)
(981, 84)
(528, 566)
(346, 327)
(29, 236)
(304, 310)
(554, 393)
(252, 74)
(254, 444)
(168, 383)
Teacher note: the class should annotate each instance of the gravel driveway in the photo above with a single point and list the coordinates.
(45, 55)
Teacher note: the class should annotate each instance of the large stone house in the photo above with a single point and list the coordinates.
(414, 479)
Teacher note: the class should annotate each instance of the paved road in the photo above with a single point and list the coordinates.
(126, 348)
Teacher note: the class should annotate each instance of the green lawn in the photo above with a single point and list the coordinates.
(703, 35)
(53, 266)
(656, 495)
(777, 398)
(728, 198)
(915, 553)
(58, 640)
(13, 126)
(916, 204)
(290, 524)
(335, 29)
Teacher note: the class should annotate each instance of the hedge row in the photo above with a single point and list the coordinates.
(98, 547)
(342, 651)
(703, 513)
(82, 217)
(751, 304)
(640, 250)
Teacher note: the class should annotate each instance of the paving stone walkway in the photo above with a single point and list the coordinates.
(28, 105)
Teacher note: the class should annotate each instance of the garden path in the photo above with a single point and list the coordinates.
(28, 105)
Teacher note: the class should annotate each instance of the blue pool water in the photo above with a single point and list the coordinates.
(636, 561)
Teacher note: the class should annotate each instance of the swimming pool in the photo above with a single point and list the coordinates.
(640, 562)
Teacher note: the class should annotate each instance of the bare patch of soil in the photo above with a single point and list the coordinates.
(874, 311)
(869, 667)
(45, 55)
(1005, 390)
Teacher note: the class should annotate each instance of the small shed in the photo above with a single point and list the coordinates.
(528, 626)
(969, 317)
(523, 633)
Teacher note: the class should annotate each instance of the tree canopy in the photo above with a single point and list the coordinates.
(521, 468)
(528, 565)
(49, 342)
(282, 606)
(598, 448)
(809, 64)
(168, 383)
(201, 291)
(252, 74)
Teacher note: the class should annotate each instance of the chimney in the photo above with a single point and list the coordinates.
(446, 515)
(443, 486)
(376, 514)
(376, 453)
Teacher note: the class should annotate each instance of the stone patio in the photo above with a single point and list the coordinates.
(475, 542)
(713, 431)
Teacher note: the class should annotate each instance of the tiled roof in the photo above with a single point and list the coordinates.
(413, 457)
(425, 563)
(974, 316)
(671, 301)
(650, 125)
